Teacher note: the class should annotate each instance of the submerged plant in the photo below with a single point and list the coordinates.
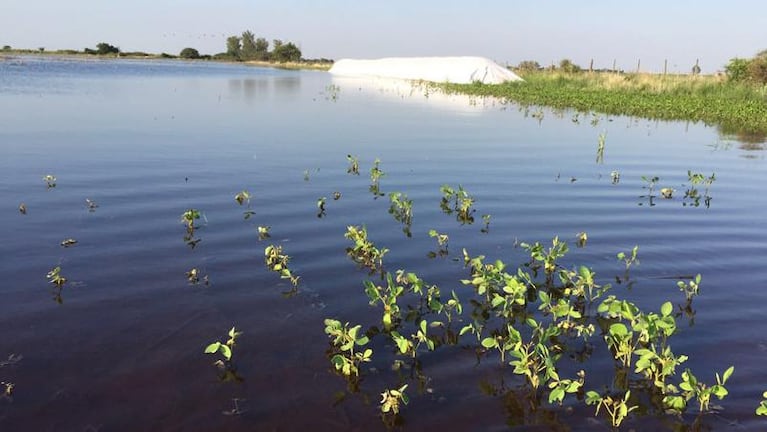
(242, 197)
(277, 262)
(189, 217)
(692, 195)
(628, 259)
(616, 408)
(458, 201)
(263, 232)
(601, 147)
(581, 239)
(690, 289)
(392, 399)
(54, 276)
(224, 349)
(50, 181)
(344, 339)
(23, 208)
(364, 252)
(68, 242)
(615, 177)
(402, 209)
(486, 222)
(321, 207)
(354, 165)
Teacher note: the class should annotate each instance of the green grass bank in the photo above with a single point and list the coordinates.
(734, 107)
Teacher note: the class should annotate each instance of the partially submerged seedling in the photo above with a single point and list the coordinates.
(616, 408)
(336, 196)
(486, 221)
(354, 165)
(343, 356)
(690, 289)
(458, 201)
(242, 197)
(7, 388)
(601, 147)
(321, 207)
(391, 400)
(22, 208)
(442, 240)
(650, 183)
(375, 175)
(68, 242)
(193, 276)
(189, 217)
(263, 232)
(54, 276)
(277, 262)
(224, 349)
(364, 252)
(50, 181)
(615, 177)
(581, 239)
(402, 209)
(91, 205)
(692, 195)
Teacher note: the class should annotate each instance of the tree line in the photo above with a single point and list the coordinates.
(249, 47)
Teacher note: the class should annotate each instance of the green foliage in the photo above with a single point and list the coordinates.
(459, 202)
(690, 289)
(529, 66)
(54, 276)
(277, 262)
(402, 209)
(226, 348)
(617, 409)
(189, 53)
(567, 66)
(392, 399)
(364, 252)
(344, 339)
(629, 259)
(242, 197)
(761, 410)
(287, 52)
(189, 217)
(104, 48)
(691, 388)
(354, 165)
(735, 105)
(234, 47)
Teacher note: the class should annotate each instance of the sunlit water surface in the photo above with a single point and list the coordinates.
(147, 140)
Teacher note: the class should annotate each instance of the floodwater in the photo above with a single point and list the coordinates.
(120, 345)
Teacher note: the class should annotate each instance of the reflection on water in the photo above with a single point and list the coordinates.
(265, 87)
(412, 92)
(749, 141)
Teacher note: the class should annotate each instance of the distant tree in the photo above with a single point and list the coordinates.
(233, 46)
(189, 53)
(41, 49)
(105, 48)
(737, 69)
(248, 50)
(285, 52)
(529, 66)
(567, 66)
(262, 49)
(6, 47)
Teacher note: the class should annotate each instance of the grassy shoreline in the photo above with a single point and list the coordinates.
(708, 99)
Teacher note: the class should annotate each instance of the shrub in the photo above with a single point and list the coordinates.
(567, 66)
(189, 53)
(105, 48)
(529, 66)
(757, 70)
(737, 69)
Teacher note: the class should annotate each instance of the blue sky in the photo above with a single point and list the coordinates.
(506, 31)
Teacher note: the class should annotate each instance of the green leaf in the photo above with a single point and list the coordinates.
(362, 341)
(225, 351)
(556, 395)
(592, 397)
(210, 349)
(727, 374)
(666, 309)
(489, 342)
(618, 329)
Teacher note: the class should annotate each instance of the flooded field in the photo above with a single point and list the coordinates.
(150, 207)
